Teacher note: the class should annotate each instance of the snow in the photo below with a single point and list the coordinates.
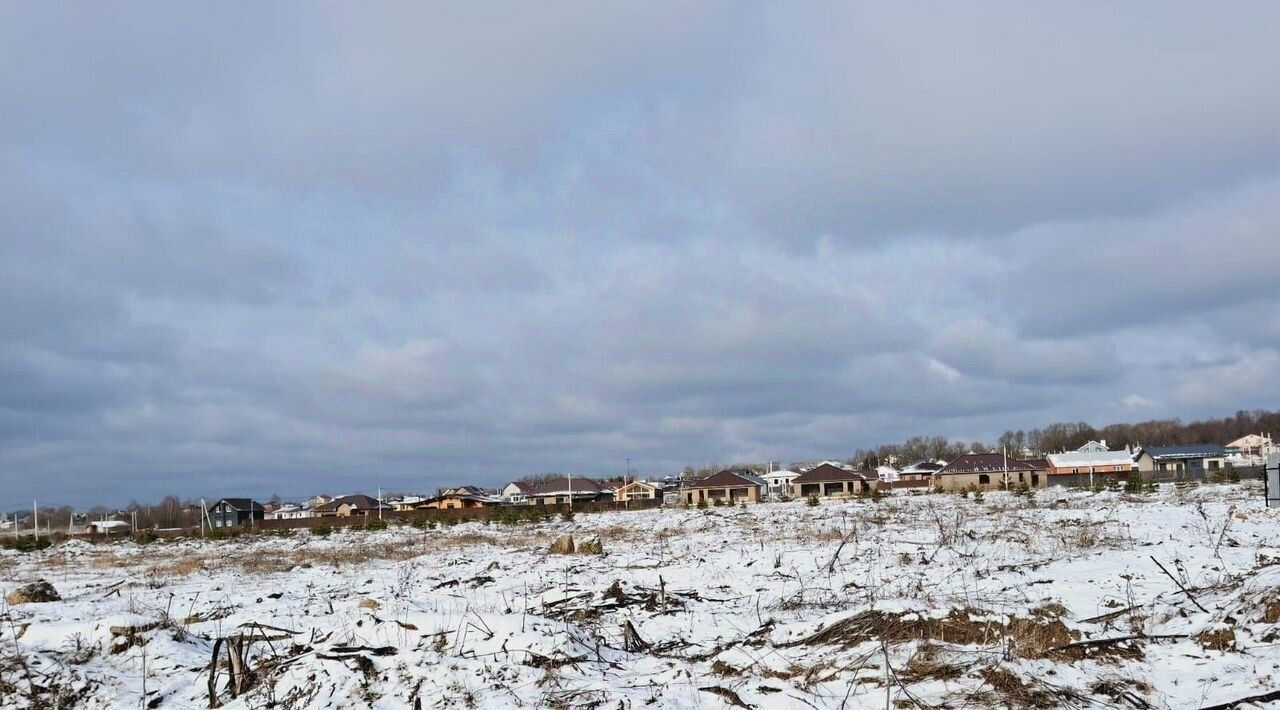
(777, 605)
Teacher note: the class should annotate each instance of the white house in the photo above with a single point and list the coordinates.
(109, 527)
(779, 483)
(1251, 450)
(888, 474)
(516, 492)
(292, 511)
(1088, 462)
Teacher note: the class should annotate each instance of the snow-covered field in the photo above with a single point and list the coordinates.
(915, 601)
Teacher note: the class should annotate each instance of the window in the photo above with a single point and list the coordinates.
(1213, 465)
(984, 478)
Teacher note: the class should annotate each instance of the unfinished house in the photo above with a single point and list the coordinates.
(828, 480)
(725, 487)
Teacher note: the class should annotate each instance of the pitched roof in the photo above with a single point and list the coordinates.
(1249, 441)
(479, 498)
(829, 472)
(983, 463)
(1192, 451)
(523, 486)
(580, 485)
(1076, 459)
(1037, 464)
(921, 466)
(244, 504)
(727, 479)
(358, 502)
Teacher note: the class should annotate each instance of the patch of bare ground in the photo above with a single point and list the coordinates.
(1031, 637)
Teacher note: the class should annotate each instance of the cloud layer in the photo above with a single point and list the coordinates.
(304, 249)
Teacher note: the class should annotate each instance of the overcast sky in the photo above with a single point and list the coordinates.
(326, 247)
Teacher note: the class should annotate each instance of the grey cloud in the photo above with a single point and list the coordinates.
(282, 249)
(981, 349)
(1098, 275)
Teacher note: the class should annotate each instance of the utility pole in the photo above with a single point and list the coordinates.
(569, 477)
(379, 502)
(35, 520)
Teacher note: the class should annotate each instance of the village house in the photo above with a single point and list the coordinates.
(317, 501)
(352, 505)
(779, 483)
(726, 486)
(565, 489)
(1039, 471)
(235, 512)
(1192, 462)
(1250, 450)
(637, 490)
(1091, 464)
(292, 511)
(516, 492)
(829, 480)
(457, 499)
(987, 472)
(107, 527)
(921, 470)
(888, 474)
(404, 502)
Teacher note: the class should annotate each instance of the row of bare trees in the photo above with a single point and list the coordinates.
(1068, 436)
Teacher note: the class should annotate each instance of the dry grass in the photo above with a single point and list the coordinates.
(1217, 639)
(1027, 638)
(161, 564)
(1013, 692)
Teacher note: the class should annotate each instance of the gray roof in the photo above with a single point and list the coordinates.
(562, 485)
(246, 504)
(1189, 451)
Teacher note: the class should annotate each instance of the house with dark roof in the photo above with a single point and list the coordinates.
(828, 480)
(565, 489)
(1039, 471)
(353, 505)
(1194, 461)
(725, 486)
(235, 512)
(988, 472)
(921, 470)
